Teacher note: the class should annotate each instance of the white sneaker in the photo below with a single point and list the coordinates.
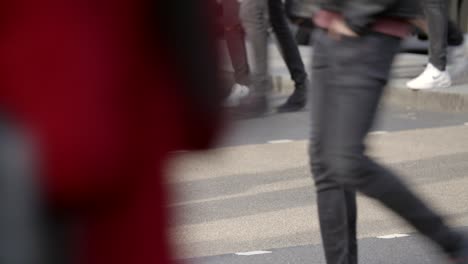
(430, 78)
(238, 92)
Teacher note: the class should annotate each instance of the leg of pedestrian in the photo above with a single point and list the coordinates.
(435, 74)
(234, 35)
(336, 206)
(436, 12)
(291, 55)
(359, 77)
(254, 19)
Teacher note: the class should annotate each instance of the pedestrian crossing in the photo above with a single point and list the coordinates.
(261, 196)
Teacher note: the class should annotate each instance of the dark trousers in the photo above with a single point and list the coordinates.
(288, 45)
(442, 32)
(234, 35)
(255, 16)
(348, 80)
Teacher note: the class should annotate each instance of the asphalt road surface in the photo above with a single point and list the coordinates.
(252, 199)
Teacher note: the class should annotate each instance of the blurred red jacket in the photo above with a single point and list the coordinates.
(107, 89)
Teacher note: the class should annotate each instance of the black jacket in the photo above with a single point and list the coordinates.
(359, 14)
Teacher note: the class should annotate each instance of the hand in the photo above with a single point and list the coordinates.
(339, 28)
(420, 23)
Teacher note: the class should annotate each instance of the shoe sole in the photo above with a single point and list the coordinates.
(440, 86)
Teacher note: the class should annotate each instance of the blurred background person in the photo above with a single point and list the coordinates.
(256, 16)
(290, 51)
(235, 39)
(446, 46)
(20, 216)
(106, 89)
(353, 53)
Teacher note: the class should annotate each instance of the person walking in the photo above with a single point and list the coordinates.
(353, 53)
(446, 45)
(256, 16)
(290, 51)
(235, 40)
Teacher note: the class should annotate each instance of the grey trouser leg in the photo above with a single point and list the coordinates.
(442, 32)
(20, 221)
(348, 81)
(436, 12)
(254, 16)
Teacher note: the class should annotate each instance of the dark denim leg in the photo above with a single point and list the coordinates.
(336, 205)
(360, 71)
(337, 217)
(351, 212)
(437, 18)
(234, 35)
(288, 45)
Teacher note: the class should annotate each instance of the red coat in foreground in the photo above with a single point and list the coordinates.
(107, 89)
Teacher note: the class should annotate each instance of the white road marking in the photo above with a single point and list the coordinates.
(252, 253)
(378, 133)
(281, 141)
(393, 236)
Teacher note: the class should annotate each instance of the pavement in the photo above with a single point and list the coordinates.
(249, 203)
(409, 249)
(406, 66)
(260, 197)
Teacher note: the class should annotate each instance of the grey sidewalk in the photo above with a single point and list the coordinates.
(407, 66)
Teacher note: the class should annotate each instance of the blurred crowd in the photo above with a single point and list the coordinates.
(256, 21)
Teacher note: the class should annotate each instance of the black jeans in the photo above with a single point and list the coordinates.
(348, 80)
(442, 32)
(235, 39)
(255, 15)
(288, 45)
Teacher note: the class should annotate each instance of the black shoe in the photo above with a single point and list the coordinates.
(461, 255)
(297, 101)
(291, 107)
